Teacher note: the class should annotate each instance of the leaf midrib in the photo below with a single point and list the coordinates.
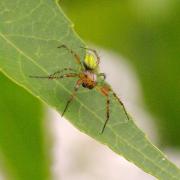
(98, 117)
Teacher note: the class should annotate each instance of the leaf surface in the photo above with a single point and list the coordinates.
(148, 40)
(30, 33)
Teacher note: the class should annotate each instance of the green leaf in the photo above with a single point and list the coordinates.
(30, 33)
(22, 147)
(146, 33)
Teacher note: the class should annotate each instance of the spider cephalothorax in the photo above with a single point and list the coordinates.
(88, 77)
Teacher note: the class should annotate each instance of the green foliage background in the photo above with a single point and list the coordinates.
(22, 144)
(148, 34)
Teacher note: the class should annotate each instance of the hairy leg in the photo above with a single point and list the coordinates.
(56, 76)
(102, 75)
(76, 56)
(120, 102)
(105, 90)
(61, 71)
(78, 83)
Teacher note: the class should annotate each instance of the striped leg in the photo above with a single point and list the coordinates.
(61, 71)
(107, 111)
(76, 56)
(121, 103)
(78, 83)
(56, 76)
(105, 90)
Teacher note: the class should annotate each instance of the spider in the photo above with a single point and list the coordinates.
(88, 77)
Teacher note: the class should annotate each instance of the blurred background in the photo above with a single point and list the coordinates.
(139, 44)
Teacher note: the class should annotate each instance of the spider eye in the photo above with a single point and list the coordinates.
(90, 61)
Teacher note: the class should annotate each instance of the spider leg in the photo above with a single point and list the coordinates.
(95, 52)
(105, 90)
(120, 102)
(78, 83)
(61, 71)
(53, 76)
(107, 109)
(102, 74)
(76, 56)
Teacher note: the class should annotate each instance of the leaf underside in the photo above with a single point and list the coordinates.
(30, 32)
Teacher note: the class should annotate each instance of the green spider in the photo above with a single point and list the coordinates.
(89, 77)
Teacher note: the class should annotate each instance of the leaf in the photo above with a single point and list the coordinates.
(22, 147)
(30, 34)
(146, 34)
